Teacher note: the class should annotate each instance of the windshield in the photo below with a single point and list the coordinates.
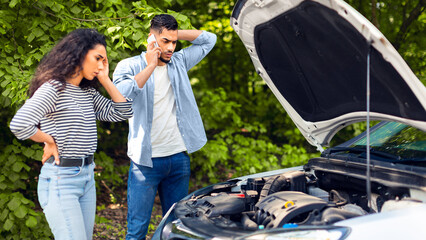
(397, 139)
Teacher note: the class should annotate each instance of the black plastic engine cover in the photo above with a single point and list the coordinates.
(212, 206)
(286, 207)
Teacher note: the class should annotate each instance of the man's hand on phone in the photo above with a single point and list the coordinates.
(153, 52)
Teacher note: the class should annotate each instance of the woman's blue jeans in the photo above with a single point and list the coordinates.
(169, 175)
(68, 198)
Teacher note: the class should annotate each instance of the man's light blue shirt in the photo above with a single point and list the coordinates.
(187, 115)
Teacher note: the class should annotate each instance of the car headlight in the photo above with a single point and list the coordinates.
(176, 230)
(335, 233)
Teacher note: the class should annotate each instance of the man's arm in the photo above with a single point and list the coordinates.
(151, 55)
(188, 35)
(202, 43)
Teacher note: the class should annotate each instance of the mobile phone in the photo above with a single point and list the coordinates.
(152, 39)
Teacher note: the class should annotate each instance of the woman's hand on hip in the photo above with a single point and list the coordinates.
(50, 149)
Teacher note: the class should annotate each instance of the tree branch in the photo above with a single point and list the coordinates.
(14, 40)
(84, 20)
(414, 14)
(373, 13)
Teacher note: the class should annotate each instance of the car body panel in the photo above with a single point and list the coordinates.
(393, 224)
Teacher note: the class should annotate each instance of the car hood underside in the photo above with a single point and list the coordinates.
(316, 56)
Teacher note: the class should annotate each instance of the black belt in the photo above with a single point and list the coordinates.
(72, 161)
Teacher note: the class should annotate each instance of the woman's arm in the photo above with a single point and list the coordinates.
(50, 148)
(24, 123)
(106, 82)
(117, 110)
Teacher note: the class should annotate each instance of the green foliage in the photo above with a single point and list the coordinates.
(17, 214)
(237, 147)
(155, 220)
(109, 175)
(30, 29)
(403, 23)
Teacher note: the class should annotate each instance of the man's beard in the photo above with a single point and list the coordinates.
(164, 60)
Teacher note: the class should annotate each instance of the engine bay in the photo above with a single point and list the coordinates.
(290, 199)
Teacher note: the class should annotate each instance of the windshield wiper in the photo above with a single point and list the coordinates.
(373, 151)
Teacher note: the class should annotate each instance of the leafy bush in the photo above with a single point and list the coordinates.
(17, 214)
(110, 176)
(237, 147)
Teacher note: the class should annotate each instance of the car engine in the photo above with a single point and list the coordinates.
(289, 199)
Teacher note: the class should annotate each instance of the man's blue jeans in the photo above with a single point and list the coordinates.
(68, 198)
(169, 175)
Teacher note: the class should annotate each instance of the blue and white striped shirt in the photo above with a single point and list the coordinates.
(69, 116)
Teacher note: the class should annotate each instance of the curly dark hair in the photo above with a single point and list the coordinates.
(63, 60)
(163, 21)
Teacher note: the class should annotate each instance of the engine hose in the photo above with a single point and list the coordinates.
(340, 200)
(273, 185)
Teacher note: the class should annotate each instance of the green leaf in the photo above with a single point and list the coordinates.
(75, 9)
(38, 32)
(30, 37)
(29, 62)
(4, 83)
(8, 225)
(28, 152)
(17, 166)
(137, 36)
(25, 201)
(113, 29)
(13, 3)
(6, 92)
(57, 7)
(12, 158)
(21, 211)
(13, 176)
(4, 214)
(31, 222)
(14, 203)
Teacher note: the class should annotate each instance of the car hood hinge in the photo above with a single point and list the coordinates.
(261, 3)
(316, 143)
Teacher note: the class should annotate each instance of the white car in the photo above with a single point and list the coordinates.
(329, 67)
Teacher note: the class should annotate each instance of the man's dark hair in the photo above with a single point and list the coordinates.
(163, 21)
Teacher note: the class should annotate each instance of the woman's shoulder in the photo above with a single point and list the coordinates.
(54, 85)
(51, 87)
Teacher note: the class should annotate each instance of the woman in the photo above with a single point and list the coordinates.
(61, 113)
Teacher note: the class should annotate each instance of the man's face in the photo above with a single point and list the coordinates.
(167, 40)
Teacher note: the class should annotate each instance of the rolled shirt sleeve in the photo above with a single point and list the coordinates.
(109, 111)
(24, 123)
(200, 47)
(124, 77)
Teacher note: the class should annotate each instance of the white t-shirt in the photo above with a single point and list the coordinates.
(166, 139)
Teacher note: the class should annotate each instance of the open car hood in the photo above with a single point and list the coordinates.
(315, 56)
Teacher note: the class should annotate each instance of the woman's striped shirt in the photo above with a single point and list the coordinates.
(69, 116)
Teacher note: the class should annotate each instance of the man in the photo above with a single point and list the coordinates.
(166, 123)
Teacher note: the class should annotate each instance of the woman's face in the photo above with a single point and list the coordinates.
(93, 62)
